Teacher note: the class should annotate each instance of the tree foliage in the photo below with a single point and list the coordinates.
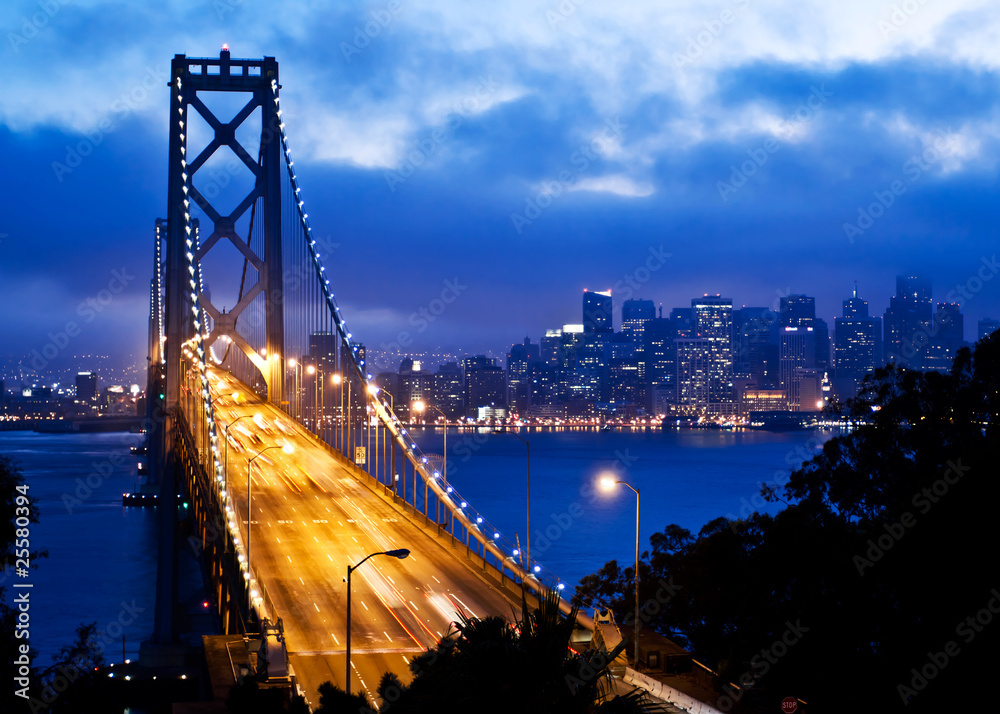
(884, 550)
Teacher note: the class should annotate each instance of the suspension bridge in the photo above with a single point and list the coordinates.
(264, 414)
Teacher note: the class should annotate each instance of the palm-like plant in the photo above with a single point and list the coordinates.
(497, 665)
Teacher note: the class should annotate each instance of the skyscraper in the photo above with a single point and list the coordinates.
(755, 353)
(86, 387)
(448, 391)
(658, 363)
(858, 345)
(635, 314)
(800, 311)
(796, 361)
(597, 312)
(485, 384)
(518, 374)
(705, 361)
(947, 337)
(907, 325)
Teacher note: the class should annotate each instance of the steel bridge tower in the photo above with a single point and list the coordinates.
(185, 306)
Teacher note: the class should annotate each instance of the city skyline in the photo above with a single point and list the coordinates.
(716, 152)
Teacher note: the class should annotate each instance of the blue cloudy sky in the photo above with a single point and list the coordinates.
(526, 150)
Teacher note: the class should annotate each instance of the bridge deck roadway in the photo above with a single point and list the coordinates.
(310, 519)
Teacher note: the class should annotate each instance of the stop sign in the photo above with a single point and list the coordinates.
(789, 705)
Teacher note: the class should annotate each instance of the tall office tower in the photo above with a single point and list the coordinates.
(947, 337)
(448, 390)
(701, 388)
(987, 326)
(543, 385)
(858, 346)
(597, 312)
(518, 374)
(415, 385)
(713, 322)
(755, 353)
(624, 375)
(635, 314)
(800, 311)
(907, 325)
(659, 363)
(796, 353)
(548, 350)
(485, 384)
(588, 377)
(86, 387)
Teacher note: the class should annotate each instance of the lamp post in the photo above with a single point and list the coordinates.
(423, 406)
(225, 485)
(310, 370)
(287, 448)
(400, 553)
(608, 483)
(296, 401)
(338, 380)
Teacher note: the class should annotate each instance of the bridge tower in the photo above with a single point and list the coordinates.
(191, 79)
(184, 305)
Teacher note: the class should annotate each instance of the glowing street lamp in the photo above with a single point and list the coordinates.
(400, 553)
(608, 483)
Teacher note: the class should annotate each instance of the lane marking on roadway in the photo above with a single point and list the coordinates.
(316, 606)
(436, 580)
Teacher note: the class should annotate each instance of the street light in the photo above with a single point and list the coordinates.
(419, 406)
(225, 485)
(337, 380)
(401, 553)
(608, 483)
(287, 448)
(296, 402)
(310, 370)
